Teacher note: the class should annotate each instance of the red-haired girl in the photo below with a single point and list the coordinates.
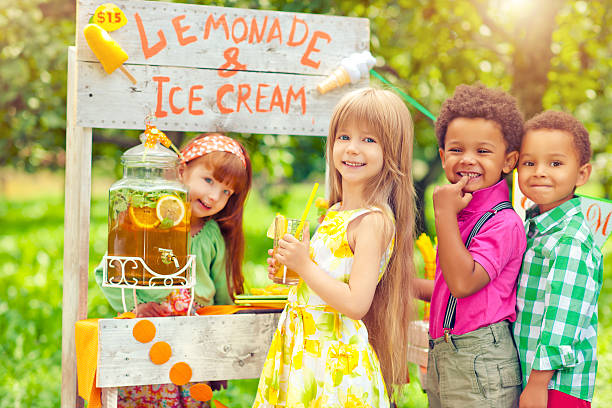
(217, 171)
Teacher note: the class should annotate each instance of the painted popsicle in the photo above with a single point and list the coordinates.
(110, 54)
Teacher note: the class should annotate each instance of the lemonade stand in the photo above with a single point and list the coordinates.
(199, 69)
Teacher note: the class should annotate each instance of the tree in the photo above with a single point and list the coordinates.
(32, 84)
(549, 54)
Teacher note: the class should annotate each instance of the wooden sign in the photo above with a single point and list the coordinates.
(596, 211)
(204, 68)
(215, 347)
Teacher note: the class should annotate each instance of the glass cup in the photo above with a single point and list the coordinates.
(282, 226)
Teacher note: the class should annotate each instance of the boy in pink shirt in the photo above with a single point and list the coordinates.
(481, 241)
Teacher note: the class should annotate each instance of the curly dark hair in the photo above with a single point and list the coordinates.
(555, 120)
(478, 101)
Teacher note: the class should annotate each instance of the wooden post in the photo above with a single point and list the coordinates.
(76, 235)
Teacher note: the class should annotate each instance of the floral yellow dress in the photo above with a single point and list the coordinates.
(318, 356)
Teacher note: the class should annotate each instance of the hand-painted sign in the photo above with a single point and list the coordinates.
(597, 211)
(109, 17)
(205, 68)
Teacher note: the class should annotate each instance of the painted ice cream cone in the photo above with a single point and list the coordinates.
(350, 71)
(335, 80)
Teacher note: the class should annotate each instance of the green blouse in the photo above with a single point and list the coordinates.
(211, 283)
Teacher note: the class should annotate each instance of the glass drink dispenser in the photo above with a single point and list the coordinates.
(148, 223)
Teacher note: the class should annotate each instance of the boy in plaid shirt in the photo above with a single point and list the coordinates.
(560, 280)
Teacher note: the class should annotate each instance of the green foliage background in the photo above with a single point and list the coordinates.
(551, 54)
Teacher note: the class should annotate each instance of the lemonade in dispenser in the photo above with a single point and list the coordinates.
(148, 221)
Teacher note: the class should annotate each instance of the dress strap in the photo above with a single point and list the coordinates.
(387, 254)
(361, 211)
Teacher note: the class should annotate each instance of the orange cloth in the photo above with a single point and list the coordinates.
(86, 339)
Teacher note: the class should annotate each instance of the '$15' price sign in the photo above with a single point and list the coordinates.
(109, 17)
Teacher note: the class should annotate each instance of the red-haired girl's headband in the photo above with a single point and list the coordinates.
(212, 143)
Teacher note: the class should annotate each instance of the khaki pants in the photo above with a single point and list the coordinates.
(475, 369)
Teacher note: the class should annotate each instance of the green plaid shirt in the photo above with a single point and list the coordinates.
(558, 287)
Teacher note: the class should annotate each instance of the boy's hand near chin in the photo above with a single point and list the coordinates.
(449, 199)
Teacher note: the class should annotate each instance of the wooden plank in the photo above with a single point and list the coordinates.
(419, 330)
(216, 348)
(187, 99)
(183, 27)
(85, 134)
(417, 355)
(419, 339)
(109, 397)
(76, 235)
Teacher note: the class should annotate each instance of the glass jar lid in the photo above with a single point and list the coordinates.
(158, 156)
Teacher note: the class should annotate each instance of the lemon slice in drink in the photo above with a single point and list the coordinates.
(170, 207)
(281, 225)
(143, 217)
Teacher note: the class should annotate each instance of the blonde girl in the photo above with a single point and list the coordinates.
(341, 340)
(217, 171)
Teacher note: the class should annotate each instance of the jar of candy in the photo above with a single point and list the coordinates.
(148, 220)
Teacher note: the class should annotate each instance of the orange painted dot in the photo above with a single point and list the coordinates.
(180, 373)
(160, 352)
(218, 404)
(144, 331)
(201, 392)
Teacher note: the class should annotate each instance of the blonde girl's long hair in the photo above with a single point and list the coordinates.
(384, 114)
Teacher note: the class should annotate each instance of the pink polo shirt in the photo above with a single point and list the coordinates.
(499, 248)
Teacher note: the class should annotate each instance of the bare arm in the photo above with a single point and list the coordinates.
(151, 309)
(423, 289)
(535, 394)
(462, 274)
(352, 299)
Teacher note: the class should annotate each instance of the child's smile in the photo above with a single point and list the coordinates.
(205, 206)
(549, 170)
(471, 175)
(207, 195)
(354, 164)
(357, 155)
(475, 148)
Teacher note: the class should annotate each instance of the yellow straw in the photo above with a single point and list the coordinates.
(305, 213)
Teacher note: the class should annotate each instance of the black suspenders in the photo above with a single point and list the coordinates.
(451, 307)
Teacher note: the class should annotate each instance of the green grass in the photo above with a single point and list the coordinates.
(31, 252)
